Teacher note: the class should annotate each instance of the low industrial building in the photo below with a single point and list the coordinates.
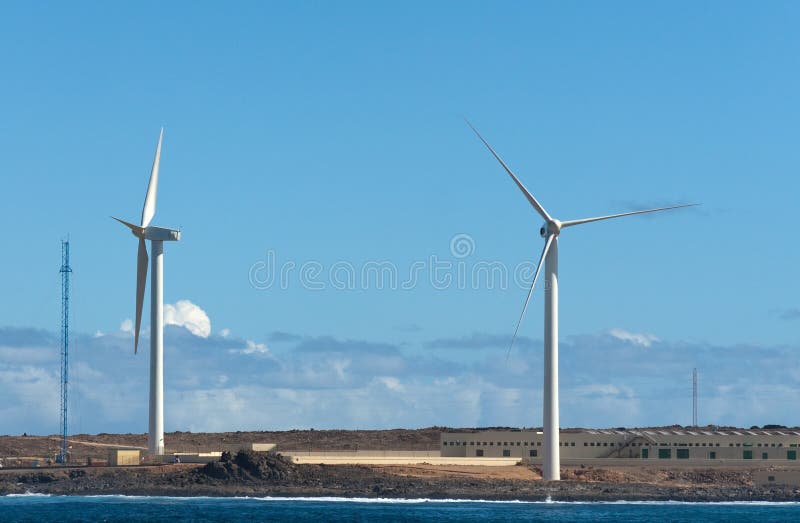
(260, 447)
(120, 457)
(648, 444)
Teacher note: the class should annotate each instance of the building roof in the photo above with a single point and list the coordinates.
(661, 432)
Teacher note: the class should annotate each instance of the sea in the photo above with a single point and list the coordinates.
(36, 508)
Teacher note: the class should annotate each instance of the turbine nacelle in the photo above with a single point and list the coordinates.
(162, 234)
(153, 233)
(551, 227)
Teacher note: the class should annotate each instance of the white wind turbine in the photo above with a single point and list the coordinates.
(550, 230)
(157, 237)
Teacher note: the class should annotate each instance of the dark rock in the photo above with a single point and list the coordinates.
(39, 477)
(264, 466)
(217, 470)
(248, 465)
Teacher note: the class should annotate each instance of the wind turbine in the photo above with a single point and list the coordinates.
(550, 232)
(157, 237)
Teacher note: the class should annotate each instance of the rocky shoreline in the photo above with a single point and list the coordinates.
(260, 475)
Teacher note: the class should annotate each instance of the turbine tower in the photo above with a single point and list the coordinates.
(157, 237)
(550, 232)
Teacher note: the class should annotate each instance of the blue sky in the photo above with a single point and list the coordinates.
(331, 136)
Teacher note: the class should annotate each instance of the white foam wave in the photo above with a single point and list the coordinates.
(340, 499)
(336, 499)
(548, 501)
(675, 502)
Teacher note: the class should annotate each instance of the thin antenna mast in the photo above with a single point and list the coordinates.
(694, 397)
(65, 273)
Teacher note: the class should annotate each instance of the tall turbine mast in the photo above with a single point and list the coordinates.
(551, 466)
(157, 237)
(65, 271)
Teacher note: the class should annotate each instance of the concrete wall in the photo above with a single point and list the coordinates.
(392, 458)
(262, 447)
(416, 454)
(192, 457)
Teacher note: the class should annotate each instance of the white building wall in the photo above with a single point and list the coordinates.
(639, 444)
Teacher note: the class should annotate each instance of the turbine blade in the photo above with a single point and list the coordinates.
(141, 280)
(522, 188)
(570, 223)
(530, 292)
(149, 209)
(138, 231)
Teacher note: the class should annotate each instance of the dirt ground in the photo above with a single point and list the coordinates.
(681, 477)
(459, 471)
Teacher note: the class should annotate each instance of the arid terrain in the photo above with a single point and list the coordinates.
(83, 446)
(255, 474)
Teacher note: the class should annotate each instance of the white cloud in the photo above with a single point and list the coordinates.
(251, 347)
(392, 383)
(641, 339)
(188, 315)
(126, 326)
(601, 390)
(26, 394)
(340, 368)
(225, 333)
(82, 371)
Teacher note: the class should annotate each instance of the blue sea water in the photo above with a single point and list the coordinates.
(297, 510)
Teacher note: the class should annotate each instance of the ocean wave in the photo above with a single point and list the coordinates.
(333, 499)
(676, 502)
(341, 499)
(338, 499)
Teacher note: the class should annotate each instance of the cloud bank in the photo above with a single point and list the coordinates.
(217, 382)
